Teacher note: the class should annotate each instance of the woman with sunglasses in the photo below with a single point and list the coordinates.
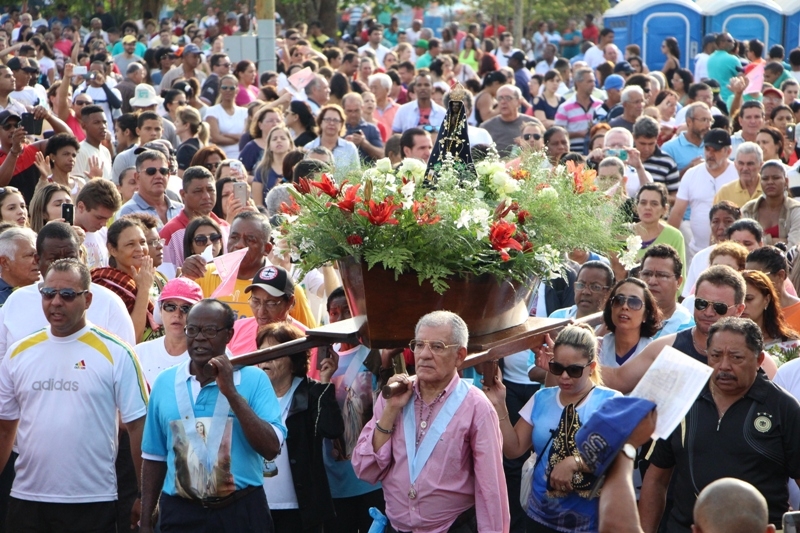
(546, 105)
(296, 482)
(632, 317)
(762, 305)
(548, 422)
(12, 207)
(175, 302)
(201, 233)
(210, 157)
(226, 120)
(131, 274)
(46, 205)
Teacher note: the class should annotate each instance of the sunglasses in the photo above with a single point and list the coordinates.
(634, 302)
(68, 295)
(153, 170)
(212, 166)
(82, 102)
(719, 307)
(573, 371)
(529, 136)
(171, 308)
(9, 127)
(202, 240)
(228, 87)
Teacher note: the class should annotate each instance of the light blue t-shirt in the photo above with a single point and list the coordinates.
(238, 465)
(682, 151)
(572, 513)
(680, 320)
(566, 312)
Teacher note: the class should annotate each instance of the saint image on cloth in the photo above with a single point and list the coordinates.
(356, 404)
(193, 479)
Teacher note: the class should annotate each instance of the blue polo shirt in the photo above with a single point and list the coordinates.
(137, 205)
(682, 151)
(237, 463)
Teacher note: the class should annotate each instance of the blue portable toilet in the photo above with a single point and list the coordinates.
(745, 19)
(648, 22)
(791, 32)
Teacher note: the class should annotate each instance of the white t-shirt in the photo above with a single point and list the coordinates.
(22, 315)
(102, 153)
(154, 358)
(701, 66)
(698, 187)
(99, 97)
(232, 124)
(66, 392)
(478, 136)
(699, 263)
(96, 249)
(280, 488)
(788, 377)
(594, 56)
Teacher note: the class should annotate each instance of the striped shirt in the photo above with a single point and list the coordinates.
(663, 169)
(575, 118)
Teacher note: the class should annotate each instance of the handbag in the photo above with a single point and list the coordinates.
(564, 446)
(527, 479)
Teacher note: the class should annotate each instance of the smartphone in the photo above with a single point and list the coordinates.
(323, 352)
(790, 521)
(31, 125)
(237, 167)
(92, 75)
(68, 213)
(240, 192)
(79, 70)
(620, 153)
(790, 132)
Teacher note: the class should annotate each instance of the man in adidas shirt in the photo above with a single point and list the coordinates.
(60, 391)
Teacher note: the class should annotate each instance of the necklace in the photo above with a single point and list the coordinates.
(716, 404)
(423, 424)
(701, 350)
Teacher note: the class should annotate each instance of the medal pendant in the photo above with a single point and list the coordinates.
(423, 424)
(412, 493)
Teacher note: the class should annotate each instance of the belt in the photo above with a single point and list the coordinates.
(221, 503)
(464, 518)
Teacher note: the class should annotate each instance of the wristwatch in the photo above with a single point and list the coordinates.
(629, 451)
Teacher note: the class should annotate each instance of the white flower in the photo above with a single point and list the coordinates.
(372, 173)
(463, 219)
(408, 189)
(414, 168)
(481, 218)
(549, 193)
(628, 259)
(503, 184)
(383, 165)
(489, 167)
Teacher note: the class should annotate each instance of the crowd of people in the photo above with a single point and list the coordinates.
(135, 154)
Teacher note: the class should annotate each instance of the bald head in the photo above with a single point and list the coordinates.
(731, 506)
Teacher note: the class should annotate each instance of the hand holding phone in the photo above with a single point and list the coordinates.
(68, 213)
(240, 192)
(79, 70)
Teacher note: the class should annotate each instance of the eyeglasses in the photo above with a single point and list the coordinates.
(212, 166)
(153, 170)
(171, 308)
(202, 240)
(9, 127)
(332, 120)
(573, 371)
(593, 287)
(660, 276)
(719, 307)
(437, 347)
(156, 242)
(634, 303)
(506, 98)
(227, 87)
(82, 102)
(226, 65)
(529, 136)
(68, 295)
(269, 304)
(209, 332)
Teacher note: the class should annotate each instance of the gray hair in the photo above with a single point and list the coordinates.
(73, 265)
(629, 90)
(751, 148)
(619, 131)
(352, 96)
(436, 319)
(694, 106)
(581, 73)
(9, 241)
(646, 127)
(277, 196)
(150, 155)
(313, 83)
(513, 88)
(383, 79)
(319, 150)
(133, 68)
(613, 162)
(743, 326)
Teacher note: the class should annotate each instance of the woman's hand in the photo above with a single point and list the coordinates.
(494, 389)
(42, 163)
(328, 367)
(561, 476)
(544, 353)
(145, 276)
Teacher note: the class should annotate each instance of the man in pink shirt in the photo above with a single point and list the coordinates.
(437, 448)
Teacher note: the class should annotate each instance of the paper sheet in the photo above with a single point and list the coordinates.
(672, 382)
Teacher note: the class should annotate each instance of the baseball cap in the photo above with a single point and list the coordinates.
(773, 91)
(717, 139)
(181, 289)
(145, 96)
(519, 55)
(604, 434)
(623, 66)
(422, 43)
(614, 81)
(160, 145)
(273, 279)
(21, 63)
(7, 115)
(128, 39)
(191, 49)
(709, 38)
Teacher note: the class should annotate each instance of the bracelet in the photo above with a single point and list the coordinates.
(384, 431)
(504, 418)
(12, 152)
(578, 461)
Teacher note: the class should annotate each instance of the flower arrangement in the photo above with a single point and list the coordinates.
(482, 220)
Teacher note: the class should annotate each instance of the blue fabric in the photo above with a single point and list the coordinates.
(566, 312)
(680, 320)
(251, 155)
(246, 465)
(682, 151)
(572, 513)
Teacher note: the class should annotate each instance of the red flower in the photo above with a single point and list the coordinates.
(520, 174)
(290, 209)
(501, 235)
(355, 240)
(348, 203)
(523, 216)
(327, 185)
(303, 185)
(380, 214)
(424, 213)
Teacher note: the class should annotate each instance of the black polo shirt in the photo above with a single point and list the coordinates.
(757, 440)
